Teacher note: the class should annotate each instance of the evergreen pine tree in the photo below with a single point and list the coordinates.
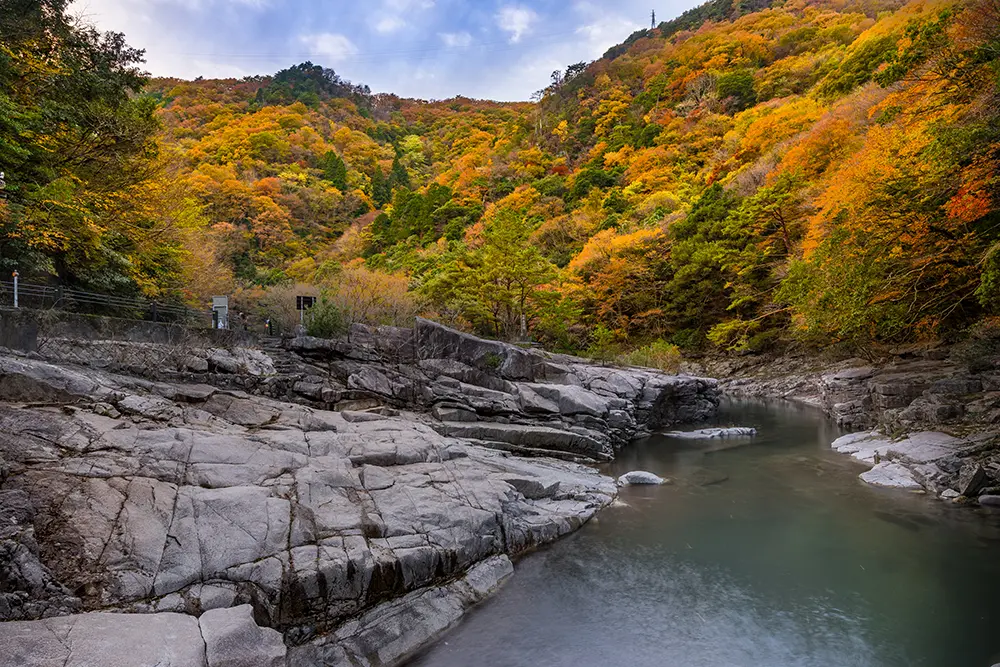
(381, 190)
(334, 170)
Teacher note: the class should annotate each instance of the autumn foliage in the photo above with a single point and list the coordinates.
(747, 174)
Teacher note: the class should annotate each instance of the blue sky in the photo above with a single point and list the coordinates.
(431, 49)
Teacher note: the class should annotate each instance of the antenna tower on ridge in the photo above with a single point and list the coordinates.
(652, 19)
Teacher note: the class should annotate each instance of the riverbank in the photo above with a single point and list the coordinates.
(350, 498)
(925, 419)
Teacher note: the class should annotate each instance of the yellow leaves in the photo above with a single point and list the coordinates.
(561, 130)
(663, 200)
(611, 111)
(620, 157)
(765, 126)
(598, 150)
(825, 143)
(520, 200)
(530, 163)
(303, 270)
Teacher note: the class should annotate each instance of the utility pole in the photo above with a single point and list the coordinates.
(652, 19)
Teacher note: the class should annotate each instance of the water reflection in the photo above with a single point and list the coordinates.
(762, 552)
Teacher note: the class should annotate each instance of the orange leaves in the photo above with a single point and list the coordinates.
(765, 126)
(974, 198)
(828, 141)
(606, 245)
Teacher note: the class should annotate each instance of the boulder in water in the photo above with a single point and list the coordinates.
(640, 477)
(711, 433)
(893, 476)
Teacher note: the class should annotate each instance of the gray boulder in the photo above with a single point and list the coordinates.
(891, 475)
(108, 640)
(221, 638)
(567, 399)
(971, 479)
(639, 477)
(393, 631)
(528, 437)
(712, 433)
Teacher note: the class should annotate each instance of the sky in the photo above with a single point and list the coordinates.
(429, 49)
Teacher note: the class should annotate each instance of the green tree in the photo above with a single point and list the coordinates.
(334, 170)
(736, 89)
(77, 138)
(381, 191)
(493, 286)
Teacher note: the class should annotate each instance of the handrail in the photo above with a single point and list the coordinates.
(75, 300)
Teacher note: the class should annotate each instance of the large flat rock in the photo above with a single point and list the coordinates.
(893, 476)
(922, 447)
(143, 503)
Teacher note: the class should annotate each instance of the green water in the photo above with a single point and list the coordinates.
(769, 553)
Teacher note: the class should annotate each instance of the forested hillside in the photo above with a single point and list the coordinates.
(745, 175)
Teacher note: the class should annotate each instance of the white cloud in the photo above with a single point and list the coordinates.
(329, 45)
(516, 20)
(456, 39)
(389, 24)
(607, 32)
(394, 15)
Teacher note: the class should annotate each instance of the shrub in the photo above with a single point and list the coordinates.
(276, 303)
(659, 354)
(603, 344)
(372, 297)
(324, 320)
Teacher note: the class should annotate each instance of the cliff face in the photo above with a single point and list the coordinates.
(523, 400)
(381, 494)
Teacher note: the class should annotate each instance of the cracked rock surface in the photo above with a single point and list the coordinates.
(133, 496)
(313, 502)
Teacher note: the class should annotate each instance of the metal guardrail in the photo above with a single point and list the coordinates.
(46, 297)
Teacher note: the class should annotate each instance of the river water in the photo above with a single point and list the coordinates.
(766, 552)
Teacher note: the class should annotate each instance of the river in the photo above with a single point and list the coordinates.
(766, 552)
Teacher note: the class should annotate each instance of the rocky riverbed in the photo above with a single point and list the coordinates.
(922, 418)
(313, 503)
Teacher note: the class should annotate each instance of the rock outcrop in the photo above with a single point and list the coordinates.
(496, 393)
(354, 496)
(520, 400)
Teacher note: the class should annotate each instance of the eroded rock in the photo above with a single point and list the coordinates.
(640, 477)
(215, 498)
(891, 475)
